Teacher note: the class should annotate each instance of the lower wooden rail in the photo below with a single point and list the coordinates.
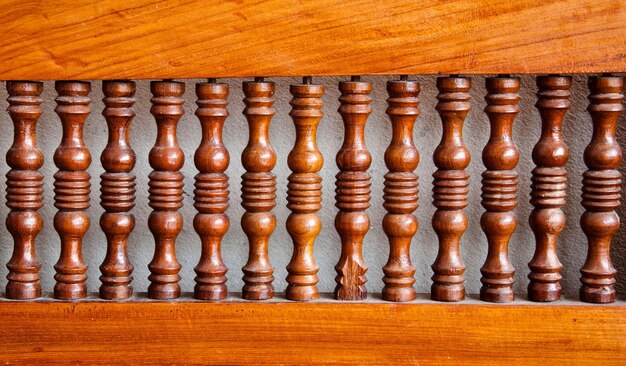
(327, 332)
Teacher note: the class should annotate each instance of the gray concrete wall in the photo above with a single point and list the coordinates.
(572, 248)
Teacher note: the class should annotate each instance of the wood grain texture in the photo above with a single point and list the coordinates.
(302, 333)
(169, 39)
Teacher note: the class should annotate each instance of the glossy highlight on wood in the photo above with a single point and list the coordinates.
(117, 189)
(258, 189)
(499, 189)
(353, 189)
(549, 184)
(450, 189)
(24, 189)
(166, 189)
(601, 189)
(211, 193)
(304, 194)
(71, 189)
(401, 190)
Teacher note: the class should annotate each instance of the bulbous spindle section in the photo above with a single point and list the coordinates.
(304, 194)
(166, 189)
(258, 189)
(117, 189)
(211, 193)
(601, 189)
(549, 184)
(401, 190)
(71, 189)
(24, 190)
(450, 189)
(353, 190)
(499, 196)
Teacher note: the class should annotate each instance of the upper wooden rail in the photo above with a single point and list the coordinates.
(212, 38)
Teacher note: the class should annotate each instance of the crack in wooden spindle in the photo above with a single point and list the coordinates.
(353, 189)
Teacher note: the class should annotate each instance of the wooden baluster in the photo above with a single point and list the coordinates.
(450, 189)
(117, 189)
(24, 189)
(499, 196)
(304, 194)
(601, 189)
(166, 189)
(258, 189)
(211, 193)
(353, 190)
(72, 189)
(401, 190)
(549, 183)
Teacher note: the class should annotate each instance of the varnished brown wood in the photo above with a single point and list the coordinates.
(601, 188)
(304, 194)
(24, 189)
(401, 190)
(94, 40)
(258, 189)
(549, 188)
(211, 193)
(117, 189)
(71, 189)
(450, 189)
(166, 189)
(311, 333)
(353, 189)
(499, 187)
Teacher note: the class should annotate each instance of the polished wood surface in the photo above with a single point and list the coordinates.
(549, 185)
(24, 189)
(71, 189)
(450, 188)
(110, 39)
(166, 189)
(307, 333)
(304, 190)
(117, 189)
(258, 189)
(601, 188)
(353, 189)
(211, 194)
(499, 188)
(401, 190)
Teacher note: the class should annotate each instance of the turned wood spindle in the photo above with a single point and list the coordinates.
(117, 189)
(258, 189)
(72, 189)
(353, 190)
(549, 184)
(24, 189)
(450, 189)
(401, 190)
(304, 194)
(601, 189)
(499, 189)
(211, 193)
(166, 189)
